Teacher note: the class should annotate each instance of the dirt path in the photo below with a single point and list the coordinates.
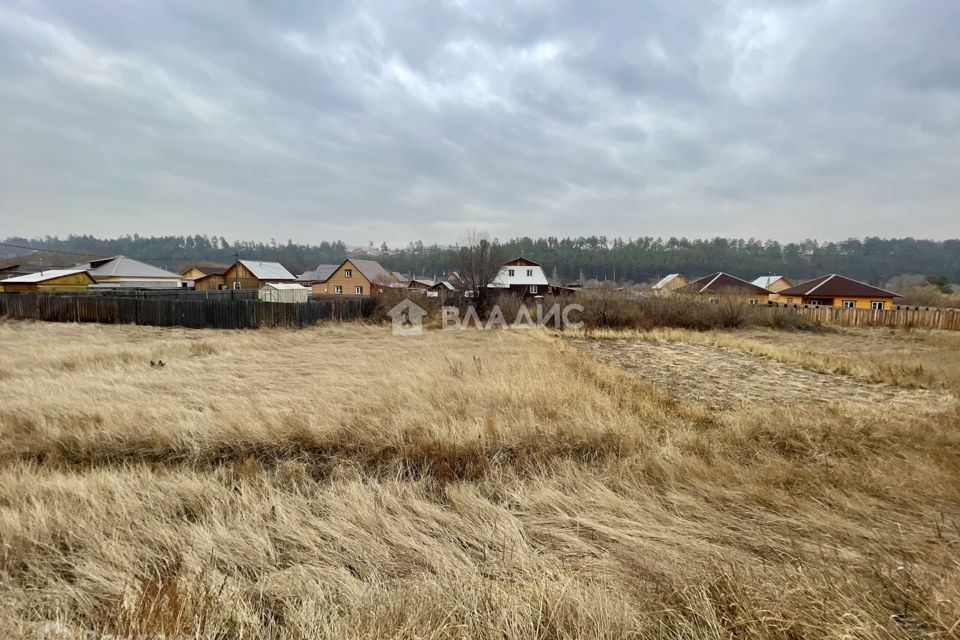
(724, 378)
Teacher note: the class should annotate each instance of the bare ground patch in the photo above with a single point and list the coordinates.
(725, 378)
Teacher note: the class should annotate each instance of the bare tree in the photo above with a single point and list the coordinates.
(478, 261)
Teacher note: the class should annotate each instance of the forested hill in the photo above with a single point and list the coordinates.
(874, 260)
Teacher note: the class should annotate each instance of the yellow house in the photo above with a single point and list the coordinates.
(356, 278)
(838, 291)
(775, 284)
(52, 281)
(668, 284)
(722, 285)
(206, 277)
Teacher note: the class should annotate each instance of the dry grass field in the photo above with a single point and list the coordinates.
(339, 482)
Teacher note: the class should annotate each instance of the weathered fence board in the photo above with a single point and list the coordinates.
(214, 313)
(900, 317)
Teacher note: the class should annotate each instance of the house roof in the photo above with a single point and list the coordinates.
(520, 262)
(666, 280)
(320, 274)
(208, 269)
(267, 270)
(42, 276)
(836, 286)
(443, 284)
(766, 281)
(721, 282)
(372, 270)
(283, 286)
(124, 267)
(423, 281)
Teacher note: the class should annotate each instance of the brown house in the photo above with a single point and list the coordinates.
(723, 285)
(51, 281)
(253, 274)
(356, 278)
(838, 291)
(206, 277)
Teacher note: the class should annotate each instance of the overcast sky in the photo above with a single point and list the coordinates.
(373, 121)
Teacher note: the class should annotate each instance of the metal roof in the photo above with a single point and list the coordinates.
(124, 267)
(373, 271)
(43, 276)
(284, 286)
(834, 285)
(665, 281)
(321, 274)
(766, 281)
(267, 270)
(721, 282)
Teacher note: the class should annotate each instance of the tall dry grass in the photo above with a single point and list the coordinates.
(339, 482)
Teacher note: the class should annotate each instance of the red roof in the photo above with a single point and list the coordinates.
(721, 282)
(837, 286)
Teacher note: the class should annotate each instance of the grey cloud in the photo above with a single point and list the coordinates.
(390, 121)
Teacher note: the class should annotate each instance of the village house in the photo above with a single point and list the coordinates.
(50, 281)
(419, 284)
(776, 284)
(521, 277)
(668, 284)
(355, 277)
(723, 285)
(17, 269)
(317, 276)
(124, 272)
(206, 277)
(254, 274)
(441, 289)
(834, 290)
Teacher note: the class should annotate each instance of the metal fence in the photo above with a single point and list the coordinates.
(179, 312)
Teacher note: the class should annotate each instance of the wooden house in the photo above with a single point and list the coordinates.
(834, 290)
(722, 285)
(355, 277)
(317, 276)
(52, 281)
(253, 274)
(206, 277)
(775, 284)
(668, 284)
(121, 269)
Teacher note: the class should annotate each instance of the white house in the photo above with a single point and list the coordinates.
(522, 277)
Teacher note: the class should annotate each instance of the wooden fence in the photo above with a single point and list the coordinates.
(900, 317)
(179, 312)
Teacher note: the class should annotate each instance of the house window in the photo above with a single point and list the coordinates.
(849, 304)
(348, 273)
(753, 301)
(877, 305)
(510, 272)
(533, 288)
(815, 303)
(715, 300)
(529, 273)
(358, 291)
(338, 289)
(789, 300)
(236, 285)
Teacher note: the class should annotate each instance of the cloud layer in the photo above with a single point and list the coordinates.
(395, 121)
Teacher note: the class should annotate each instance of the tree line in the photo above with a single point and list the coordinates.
(872, 259)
